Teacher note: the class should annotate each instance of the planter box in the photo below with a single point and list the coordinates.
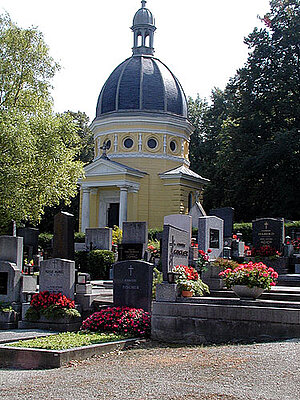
(19, 357)
(59, 325)
(8, 320)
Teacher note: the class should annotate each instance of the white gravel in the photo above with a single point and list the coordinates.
(269, 371)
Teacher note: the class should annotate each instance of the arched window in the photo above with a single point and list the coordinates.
(139, 41)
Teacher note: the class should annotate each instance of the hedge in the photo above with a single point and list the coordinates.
(96, 262)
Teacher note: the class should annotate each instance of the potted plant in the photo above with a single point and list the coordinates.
(249, 280)
(189, 281)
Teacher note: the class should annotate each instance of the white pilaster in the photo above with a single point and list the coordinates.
(123, 205)
(85, 209)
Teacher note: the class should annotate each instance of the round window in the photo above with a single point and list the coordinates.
(128, 143)
(108, 144)
(173, 145)
(152, 143)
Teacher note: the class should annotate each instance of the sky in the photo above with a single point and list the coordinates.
(201, 41)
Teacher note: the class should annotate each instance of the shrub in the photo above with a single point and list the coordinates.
(117, 235)
(51, 306)
(224, 263)
(45, 240)
(157, 279)
(153, 234)
(96, 262)
(79, 237)
(119, 320)
(245, 228)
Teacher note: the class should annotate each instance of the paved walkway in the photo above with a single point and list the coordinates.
(18, 334)
(153, 371)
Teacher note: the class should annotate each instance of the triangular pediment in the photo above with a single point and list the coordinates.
(105, 167)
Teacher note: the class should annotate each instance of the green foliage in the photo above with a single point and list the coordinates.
(96, 262)
(157, 279)
(37, 147)
(79, 237)
(154, 233)
(45, 240)
(117, 235)
(250, 143)
(32, 314)
(224, 263)
(245, 228)
(5, 307)
(68, 340)
(53, 312)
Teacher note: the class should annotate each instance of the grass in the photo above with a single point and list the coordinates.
(68, 340)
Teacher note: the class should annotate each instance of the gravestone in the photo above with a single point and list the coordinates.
(227, 214)
(132, 286)
(130, 251)
(175, 249)
(57, 275)
(180, 221)
(63, 238)
(30, 241)
(98, 238)
(10, 282)
(268, 232)
(11, 249)
(210, 235)
(135, 233)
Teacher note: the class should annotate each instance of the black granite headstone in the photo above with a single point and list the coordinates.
(63, 238)
(130, 251)
(175, 249)
(227, 214)
(30, 240)
(268, 231)
(133, 284)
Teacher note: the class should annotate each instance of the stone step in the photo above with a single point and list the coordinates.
(234, 301)
(277, 293)
(289, 280)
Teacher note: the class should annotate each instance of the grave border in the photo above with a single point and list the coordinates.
(27, 358)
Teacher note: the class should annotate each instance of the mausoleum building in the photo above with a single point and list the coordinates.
(142, 133)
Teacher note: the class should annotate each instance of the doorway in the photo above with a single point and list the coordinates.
(113, 215)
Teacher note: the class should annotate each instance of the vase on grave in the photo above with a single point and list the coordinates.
(245, 292)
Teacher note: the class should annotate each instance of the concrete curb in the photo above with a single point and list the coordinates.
(24, 358)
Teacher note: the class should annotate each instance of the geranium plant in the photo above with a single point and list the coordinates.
(51, 306)
(265, 251)
(251, 275)
(202, 262)
(121, 320)
(189, 280)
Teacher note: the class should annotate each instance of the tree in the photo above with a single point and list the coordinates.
(37, 147)
(255, 165)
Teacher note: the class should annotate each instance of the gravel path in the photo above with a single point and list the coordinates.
(153, 371)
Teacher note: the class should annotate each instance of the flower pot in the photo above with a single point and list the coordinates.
(186, 293)
(245, 292)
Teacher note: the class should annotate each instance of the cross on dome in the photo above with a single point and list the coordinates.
(144, 3)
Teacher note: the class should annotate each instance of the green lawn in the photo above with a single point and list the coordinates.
(68, 340)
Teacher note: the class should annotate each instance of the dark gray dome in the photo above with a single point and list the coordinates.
(143, 17)
(142, 83)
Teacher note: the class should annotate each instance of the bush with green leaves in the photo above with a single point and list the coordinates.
(97, 263)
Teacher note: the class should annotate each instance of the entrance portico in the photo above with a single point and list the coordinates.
(104, 193)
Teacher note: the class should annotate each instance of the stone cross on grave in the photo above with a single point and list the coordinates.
(130, 269)
(171, 258)
(266, 224)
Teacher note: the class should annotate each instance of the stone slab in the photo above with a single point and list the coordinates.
(58, 275)
(11, 250)
(135, 232)
(10, 282)
(180, 221)
(210, 235)
(268, 231)
(63, 238)
(133, 284)
(98, 238)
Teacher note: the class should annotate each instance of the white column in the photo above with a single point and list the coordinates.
(123, 205)
(85, 209)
